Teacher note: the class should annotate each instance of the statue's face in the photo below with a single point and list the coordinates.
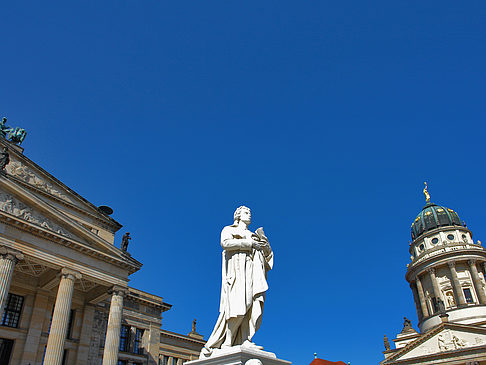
(245, 216)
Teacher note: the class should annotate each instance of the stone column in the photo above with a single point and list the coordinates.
(8, 258)
(456, 285)
(423, 303)
(112, 340)
(435, 285)
(416, 301)
(60, 318)
(477, 282)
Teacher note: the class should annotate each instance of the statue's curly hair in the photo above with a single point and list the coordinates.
(237, 214)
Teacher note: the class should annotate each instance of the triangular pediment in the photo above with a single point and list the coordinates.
(446, 338)
(22, 207)
(13, 205)
(39, 181)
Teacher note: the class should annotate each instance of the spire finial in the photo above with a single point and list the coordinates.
(426, 193)
(315, 355)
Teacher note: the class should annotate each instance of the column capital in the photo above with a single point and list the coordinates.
(451, 264)
(431, 270)
(472, 262)
(70, 274)
(11, 254)
(118, 290)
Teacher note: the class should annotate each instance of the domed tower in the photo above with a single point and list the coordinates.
(446, 274)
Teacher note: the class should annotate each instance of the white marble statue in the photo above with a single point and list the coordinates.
(247, 257)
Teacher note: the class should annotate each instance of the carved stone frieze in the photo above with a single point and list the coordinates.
(11, 205)
(26, 174)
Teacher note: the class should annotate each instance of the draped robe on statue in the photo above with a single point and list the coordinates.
(244, 283)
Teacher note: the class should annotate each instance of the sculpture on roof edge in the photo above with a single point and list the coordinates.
(15, 135)
(247, 257)
(125, 240)
(386, 343)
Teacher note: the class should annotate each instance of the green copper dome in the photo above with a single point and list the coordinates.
(434, 216)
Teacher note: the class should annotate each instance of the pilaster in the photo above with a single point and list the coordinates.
(32, 340)
(85, 336)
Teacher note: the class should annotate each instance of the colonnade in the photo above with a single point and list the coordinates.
(459, 297)
(62, 308)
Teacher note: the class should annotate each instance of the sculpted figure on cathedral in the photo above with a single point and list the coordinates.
(247, 257)
(4, 158)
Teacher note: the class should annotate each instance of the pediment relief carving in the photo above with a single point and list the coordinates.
(12, 205)
(28, 175)
(443, 341)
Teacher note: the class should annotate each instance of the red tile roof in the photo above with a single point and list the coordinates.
(325, 362)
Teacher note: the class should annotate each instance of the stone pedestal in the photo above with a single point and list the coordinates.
(239, 355)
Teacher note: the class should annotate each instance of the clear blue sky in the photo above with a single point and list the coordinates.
(324, 117)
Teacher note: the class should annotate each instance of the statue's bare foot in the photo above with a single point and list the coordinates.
(251, 345)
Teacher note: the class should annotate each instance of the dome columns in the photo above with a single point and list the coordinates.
(421, 298)
(435, 284)
(456, 285)
(477, 282)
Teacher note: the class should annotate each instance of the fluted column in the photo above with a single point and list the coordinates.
(456, 285)
(423, 303)
(60, 318)
(112, 340)
(477, 282)
(8, 258)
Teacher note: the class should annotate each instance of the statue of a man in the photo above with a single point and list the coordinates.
(124, 244)
(4, 158)
(247, 257)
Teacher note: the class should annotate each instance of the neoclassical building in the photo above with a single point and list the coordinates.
(64, 293)
(446, 276)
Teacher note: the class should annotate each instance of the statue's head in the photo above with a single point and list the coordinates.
(242, 214)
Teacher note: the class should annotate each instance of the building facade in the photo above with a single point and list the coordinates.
(446, 276)
(64, 294)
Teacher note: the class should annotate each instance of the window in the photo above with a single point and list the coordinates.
(450, 237)
(435, 240)
(64, 357)
(174, 361)
(70, 325)
(122, 362)
(468, 295)
(137, 342)
(5, 350)
(125, 338)
(11, 315)
(165, 360)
